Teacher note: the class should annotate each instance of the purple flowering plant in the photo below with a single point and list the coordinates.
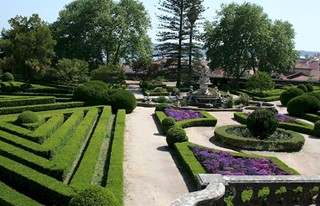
(282, 118)
(182, 114)
(225, 163)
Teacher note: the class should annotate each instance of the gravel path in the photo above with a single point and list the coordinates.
(151, 176)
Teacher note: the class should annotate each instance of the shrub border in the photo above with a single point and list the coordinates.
(238, 142)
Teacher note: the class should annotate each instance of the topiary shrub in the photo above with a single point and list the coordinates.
(27, 117)
(120, 99)
(316, 129)
(162, 107)
(309, 87)
(176, 134)
(7, 77)
(302, 87)
(161, 99)
(262, 123)
(94, 195)
(91, 92)
(314, 94)
(287, 95)
(303, 104)
(167, 123)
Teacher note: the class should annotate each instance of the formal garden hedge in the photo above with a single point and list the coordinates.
(227, 139)
(51, 163)
(206, 120)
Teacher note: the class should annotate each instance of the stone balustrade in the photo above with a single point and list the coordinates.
(213, 188)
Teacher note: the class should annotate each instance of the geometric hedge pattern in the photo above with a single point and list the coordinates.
(47, 163)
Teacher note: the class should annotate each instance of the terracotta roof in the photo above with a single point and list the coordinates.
(302, 66)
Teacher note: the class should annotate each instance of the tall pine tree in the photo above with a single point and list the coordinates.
(177, 27)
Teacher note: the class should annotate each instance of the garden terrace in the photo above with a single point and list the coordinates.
(69, 150)
(214, 190)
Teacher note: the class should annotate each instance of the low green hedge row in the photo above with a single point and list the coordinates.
(302, 127)
(163, 92)
(48, 128)
(49, 147)
(207, 120)
(189, 161)
(115, 182)
(11, 86)
(34, 126)
(76, 144)
(310, 117)
(65, 95)
(40, 187)
(266, 99)
(10, 197)
(238, 142)
(86, 169)
(27, 101)
(61, 164)
(40, 107)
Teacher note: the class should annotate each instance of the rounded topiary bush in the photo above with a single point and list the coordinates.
(287, 95)
(316, 129)
(7, 77)
(94, 195)
(120, 99)
(309, 87)
(302, 87)
(262, 123)
(314, 94)
(167, 123)
(176, 134)
(27, 117)
(303, 104)
(91, 92)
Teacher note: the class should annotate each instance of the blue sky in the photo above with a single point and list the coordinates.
(303, 15)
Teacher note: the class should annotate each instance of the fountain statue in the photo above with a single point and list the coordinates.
(203, 97)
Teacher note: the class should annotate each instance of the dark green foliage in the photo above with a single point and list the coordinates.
(161, 99)
(91, 92)
(40, 107)
(309, 87)
(243, 99)
(27, 117)
(223, 137)
(262, 123)
(27, 101)
(316, 128)
(303, 104)
(287, 95)
(94, 195)
(120, 99)
(162, 107)
(260, 81)
(176, 134)
(167, 123)
(302, 87)
(314, 94)
(7, 77)
(109, 74)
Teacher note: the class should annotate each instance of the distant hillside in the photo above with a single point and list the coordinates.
(308, 53)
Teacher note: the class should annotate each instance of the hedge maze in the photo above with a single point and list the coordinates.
(49, 162)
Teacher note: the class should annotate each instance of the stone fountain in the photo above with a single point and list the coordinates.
(203, 97)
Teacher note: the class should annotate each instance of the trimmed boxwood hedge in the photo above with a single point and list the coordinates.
(207, 120)
(40, 107)
(115, 181)
(302, 127)
(86, 169)
(292, 145)
(27, 101)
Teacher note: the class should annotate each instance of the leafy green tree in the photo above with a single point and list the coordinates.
(28, 46)
(103, 31)
(110, 74)
(72, 71)
(242, 37)
(260, 81)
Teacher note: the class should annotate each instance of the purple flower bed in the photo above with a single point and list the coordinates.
(227, 164)
(182, 114)
(282, 118)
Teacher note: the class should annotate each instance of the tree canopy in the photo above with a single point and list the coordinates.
(242, 37)
(28, 46)
(103, 31)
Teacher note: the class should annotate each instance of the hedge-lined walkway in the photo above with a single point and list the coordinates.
(151, 175)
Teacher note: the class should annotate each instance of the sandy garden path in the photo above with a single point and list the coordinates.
(151, 176)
